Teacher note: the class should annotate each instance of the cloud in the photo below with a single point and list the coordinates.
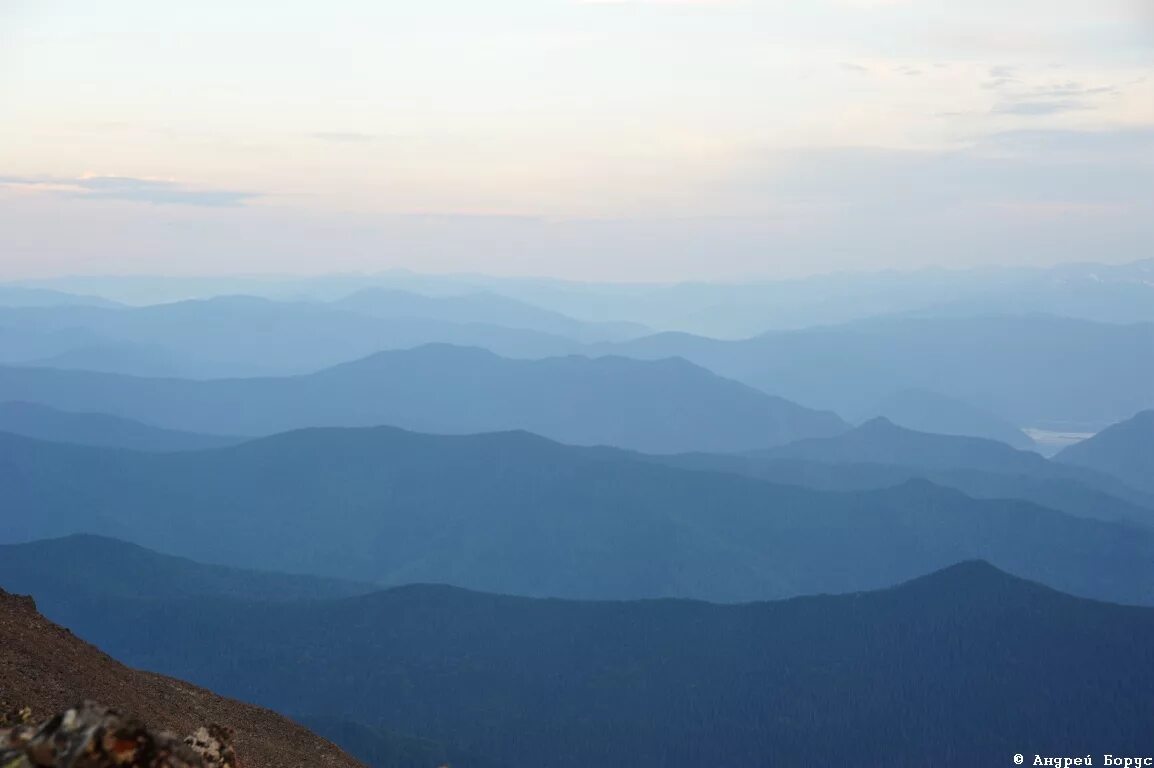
(1073, 89)
(153, 191)
(1016, 197)
(1071, 96)
(1040, 107)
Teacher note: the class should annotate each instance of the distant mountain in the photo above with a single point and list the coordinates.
(46, 667)
(237, 336)
(1112, 293)
(483, 307)
(927, 411)
(1125, 450)
(116, 357)
(99, 429)
(880, 441)
(960, 668)
(661, 406)
(77, 567)
(1077, 496)
(25, 296)
(1032, 371)
(514, 513)
(1099, 292)
(1108, 293)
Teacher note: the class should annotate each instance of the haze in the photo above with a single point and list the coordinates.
(594, 140)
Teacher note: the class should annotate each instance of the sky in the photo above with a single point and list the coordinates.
(608, 139)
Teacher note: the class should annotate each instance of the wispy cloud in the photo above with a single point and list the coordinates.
(152, 191)
(1052, 107)
(1070, 96)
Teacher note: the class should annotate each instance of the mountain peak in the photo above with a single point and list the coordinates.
(881, 425)
(1124, 450)
(976, 581)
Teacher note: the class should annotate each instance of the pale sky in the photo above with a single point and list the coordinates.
(626, 139)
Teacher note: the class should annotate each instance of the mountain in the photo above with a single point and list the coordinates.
(483, 307)
(1030, 370)
(1098, 292)
(880, 441)
(1110, 293)
(927, 411)
(1073, 496)
(959, 668)
(1107, 293)
(112, 357)
(237, 336)
(83, 565)
(99, 429)
(47, 668)
(515, 513)
(1124, 450)
(25, 296)
(661, 406)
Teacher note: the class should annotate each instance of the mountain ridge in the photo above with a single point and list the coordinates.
(99, 429)
(531, 681)
(1124, 450)
(524, 515)
(662, 406)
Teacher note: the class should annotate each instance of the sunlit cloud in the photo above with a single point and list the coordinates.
(152, 191)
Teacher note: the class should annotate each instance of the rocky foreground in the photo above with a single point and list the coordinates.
(45, 670)
(91, 736)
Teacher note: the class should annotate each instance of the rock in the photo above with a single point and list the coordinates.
(214, 745)
(91, 736)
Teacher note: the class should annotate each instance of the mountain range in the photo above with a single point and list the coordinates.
(661, 406)
(99, 429)
(1101, 292)
(523, 515)
(486, 308)
(880, 441)
(239, 336)
(885, 455)
(989, 373)
(926, 411)
(1095, 497)
(80, 566)
(1028, 370)
(27, 296)
(957, 668)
